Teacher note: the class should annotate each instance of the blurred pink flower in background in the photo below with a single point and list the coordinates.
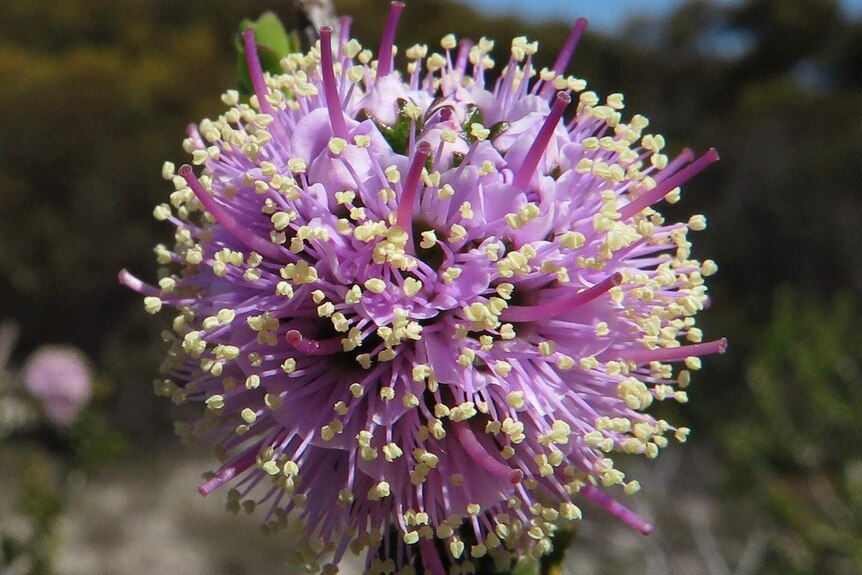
(60, 378)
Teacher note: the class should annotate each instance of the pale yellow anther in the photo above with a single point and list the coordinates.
(502, 368)
(697, 223)
(466, 211)
(451, 274)
(515, 399)
(325, 309)
(487, 167)
(435, 62)
(162, 212)
(479, 131)
(215, 402)
(456, 233)
(392, 174)
(252, 381)
(152, 304)
(379, 491)
(449, 136)
(297, 165)
(445, 192)
(318, 296)
(615, 101)
(352, 48)
(588, 363)
(345, 197)
(375, 285)
(708, 268)
(283, 288)
(635, 393)
(194, 256)
(248, 415)
(364, 360)
(429, 240)
(410, 400)
(417, 51)
(565, 362)
(448, 42)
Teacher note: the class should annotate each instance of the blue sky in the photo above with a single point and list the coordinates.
(605, 15)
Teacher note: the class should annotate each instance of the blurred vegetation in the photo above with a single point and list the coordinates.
(97, 95)
(796, 451)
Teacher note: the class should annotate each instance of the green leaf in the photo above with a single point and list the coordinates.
(273, 43)
(270, 33)
(398, 136)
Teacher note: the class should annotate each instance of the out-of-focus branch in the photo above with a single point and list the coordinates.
(311, 15)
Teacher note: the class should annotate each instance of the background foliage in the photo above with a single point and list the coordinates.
(96, 95)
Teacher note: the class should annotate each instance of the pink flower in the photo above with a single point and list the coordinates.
(422, 310)
(61, 379)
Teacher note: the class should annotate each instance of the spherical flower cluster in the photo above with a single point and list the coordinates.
(422, 309)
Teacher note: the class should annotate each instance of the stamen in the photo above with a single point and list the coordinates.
(482, 457)
(384, 65)
(233, 227)
(255, 71)
(463, 55)
(531, 161)
(404, 219)
(314, 347)
(133, 283)
(617, 509)
(343, 33)
(675, 353)
(553, 309)
(430, 557)
(684, 157)
(566, 53)
(228, 472)
(193, 133)
(330, 88)
(661, 190)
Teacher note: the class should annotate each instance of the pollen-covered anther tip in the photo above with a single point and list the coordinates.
(722, 345)
(616, 279)
(564, 98)
(186, 171)
(647, 529)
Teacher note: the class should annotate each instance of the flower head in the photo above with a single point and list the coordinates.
(422, 308)
(61, 379)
